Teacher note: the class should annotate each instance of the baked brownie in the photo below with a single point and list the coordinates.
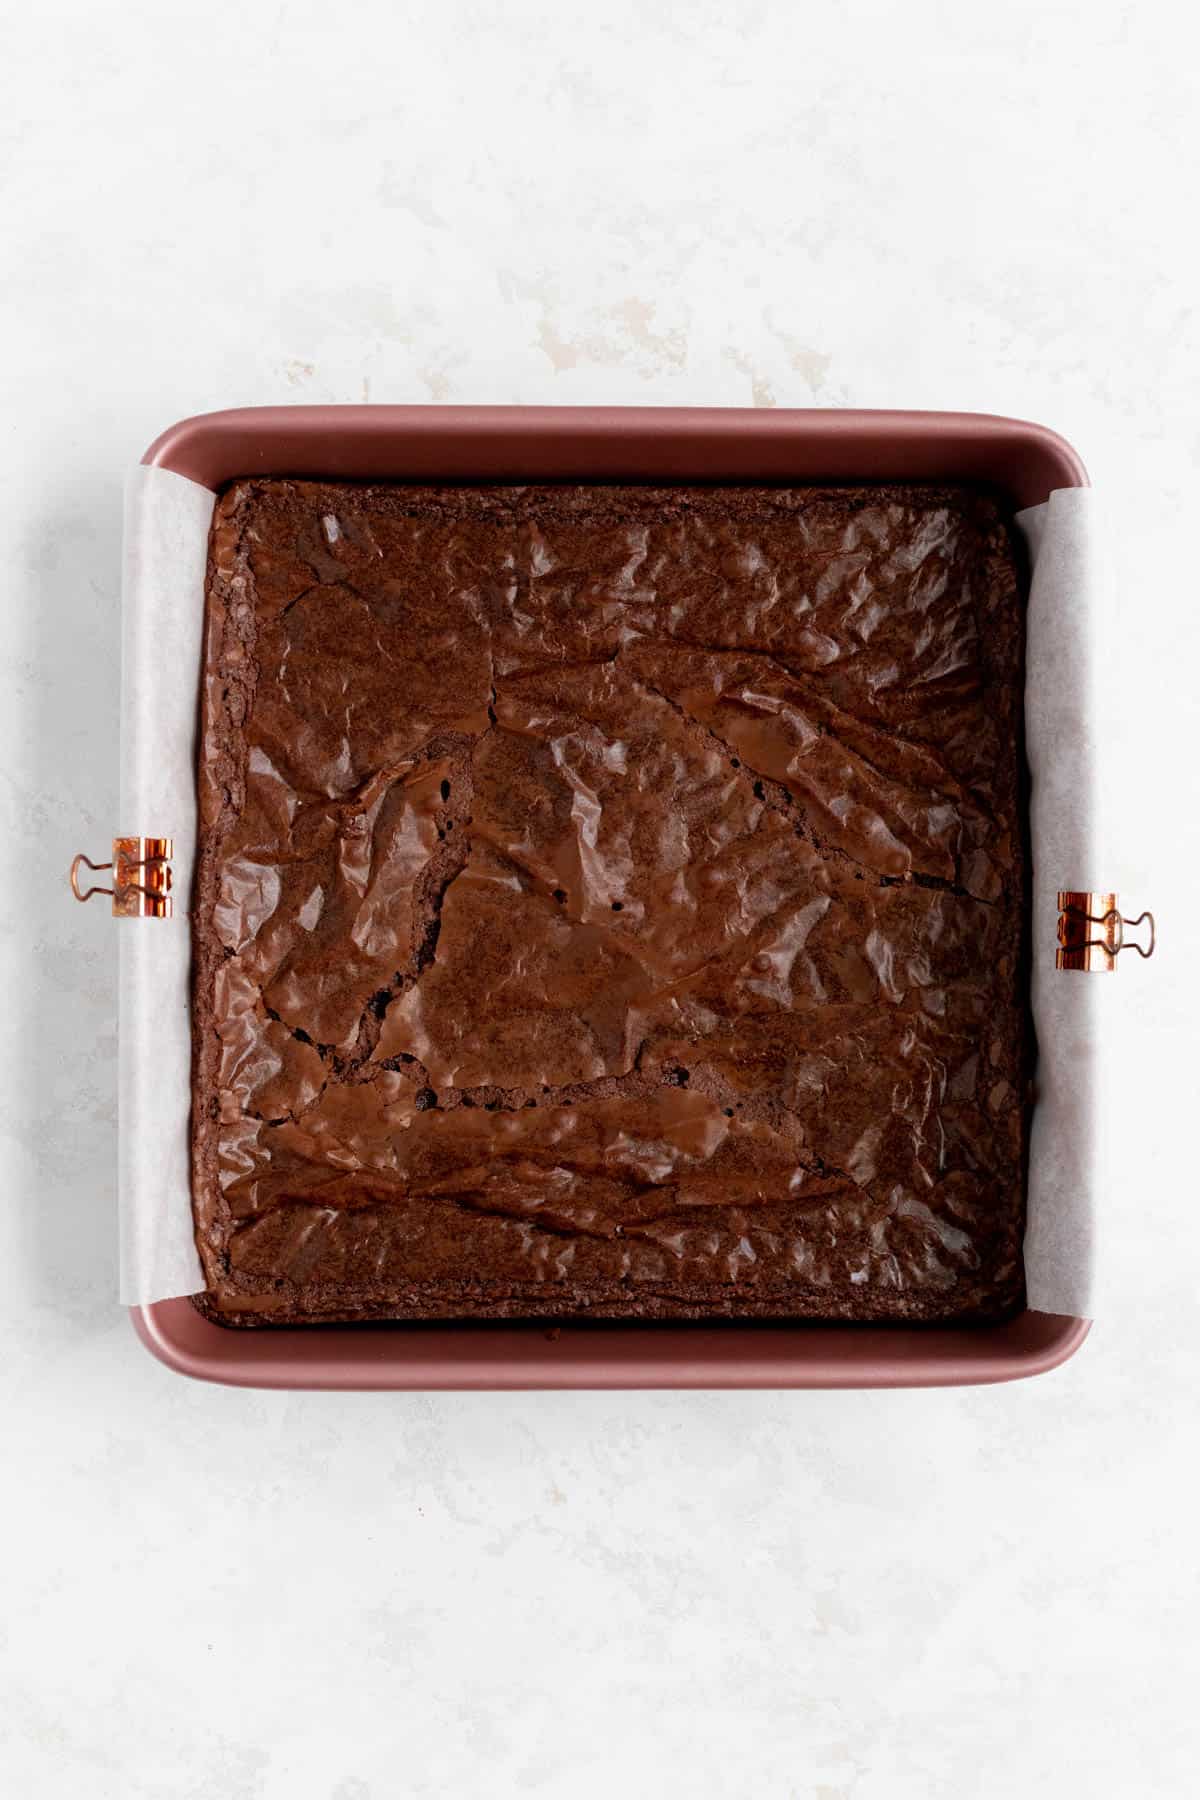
(609, 904)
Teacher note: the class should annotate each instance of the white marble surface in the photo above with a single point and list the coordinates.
(820, 1597)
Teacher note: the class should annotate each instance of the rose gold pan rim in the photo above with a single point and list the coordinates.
(636, 443)
(524, 1358)
(1024, 461)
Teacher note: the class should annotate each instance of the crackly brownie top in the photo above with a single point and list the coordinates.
(609, 902)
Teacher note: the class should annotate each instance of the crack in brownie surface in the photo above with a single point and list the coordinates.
(609, 904)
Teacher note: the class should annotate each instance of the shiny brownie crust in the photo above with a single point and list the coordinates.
(609, 904)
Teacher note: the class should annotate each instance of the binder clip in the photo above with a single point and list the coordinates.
(1092, 933)
(141, 871)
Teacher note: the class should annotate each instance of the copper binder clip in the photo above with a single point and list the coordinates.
(141, 869)
(1091, 933)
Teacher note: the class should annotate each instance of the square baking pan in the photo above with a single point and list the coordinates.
(1025, 462)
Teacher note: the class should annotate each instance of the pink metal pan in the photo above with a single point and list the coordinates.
(385, 443)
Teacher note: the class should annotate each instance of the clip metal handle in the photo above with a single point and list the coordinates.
(1097, 954)
(141, 870)
(85, 862)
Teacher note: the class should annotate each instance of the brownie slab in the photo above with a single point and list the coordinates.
(610, 904)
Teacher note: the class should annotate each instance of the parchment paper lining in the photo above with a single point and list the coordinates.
(167, 520)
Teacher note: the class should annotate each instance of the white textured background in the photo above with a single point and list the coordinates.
(820, 1597)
